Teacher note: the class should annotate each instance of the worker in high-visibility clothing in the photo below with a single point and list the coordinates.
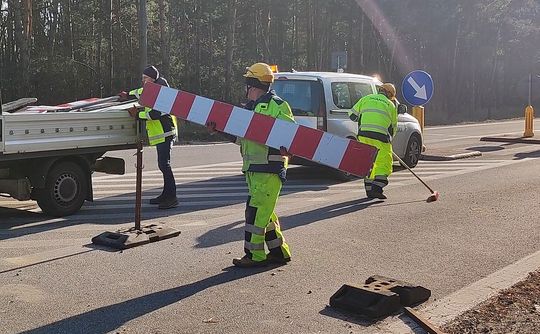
(265, 170)
(161, 130)
(376, 115)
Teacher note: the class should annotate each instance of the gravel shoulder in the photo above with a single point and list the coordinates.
(513, 310)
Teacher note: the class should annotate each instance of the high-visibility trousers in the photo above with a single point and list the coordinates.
(382, 168)
(262, 224)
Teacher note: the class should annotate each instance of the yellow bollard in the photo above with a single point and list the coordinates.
(418, 113)
(529, 122)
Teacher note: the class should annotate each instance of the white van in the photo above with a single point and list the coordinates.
(322, 100)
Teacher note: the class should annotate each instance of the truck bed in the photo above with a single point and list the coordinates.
(30, 133)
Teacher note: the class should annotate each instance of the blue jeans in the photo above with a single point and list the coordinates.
(164, 164)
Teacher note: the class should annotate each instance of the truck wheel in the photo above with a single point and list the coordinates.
(65, 190)
(414, 149)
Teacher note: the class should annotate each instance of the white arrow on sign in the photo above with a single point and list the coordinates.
(420, 91)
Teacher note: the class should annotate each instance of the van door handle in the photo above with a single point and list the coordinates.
(339, 111)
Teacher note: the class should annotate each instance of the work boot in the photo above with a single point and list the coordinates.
(277, 259)
(168, 203)
(246, 262)
(374, 194)
(156, 200)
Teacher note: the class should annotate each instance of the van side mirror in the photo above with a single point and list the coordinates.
(402, 109)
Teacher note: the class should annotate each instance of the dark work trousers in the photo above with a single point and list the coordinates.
(164, 164)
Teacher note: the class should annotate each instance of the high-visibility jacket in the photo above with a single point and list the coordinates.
(159, 126)
(377, 117)
(261, 158)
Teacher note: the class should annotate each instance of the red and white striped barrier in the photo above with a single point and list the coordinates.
(43, 109)
(322, 147)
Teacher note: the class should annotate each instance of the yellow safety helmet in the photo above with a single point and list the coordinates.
(261, 72)
(390, 89)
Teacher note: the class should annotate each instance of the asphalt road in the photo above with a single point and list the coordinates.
(54, 281)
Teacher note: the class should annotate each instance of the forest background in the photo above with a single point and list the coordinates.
(480, 53)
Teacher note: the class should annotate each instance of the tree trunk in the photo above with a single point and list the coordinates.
(108, 15)
(265, 31)
(69, 32)
(143, 36)
(229, 52)
(21, 42)
(164, 40)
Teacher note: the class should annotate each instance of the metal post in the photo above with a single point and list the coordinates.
(530, 89)
(138, 189)
(418, 113)
(529, 122)
(529, 114)
(143, 34)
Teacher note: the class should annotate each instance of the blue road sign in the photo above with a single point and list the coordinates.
(417, 88)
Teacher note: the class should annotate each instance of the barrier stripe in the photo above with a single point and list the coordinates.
(238, 122)
(260, 127)
(77, 103)
(200, 110)
(150, 94)
(331, 150)
(166, 98)
(220, 114)
(306, 141)
(312, 144)
(350, 162)
(282, 134)
(182, 105)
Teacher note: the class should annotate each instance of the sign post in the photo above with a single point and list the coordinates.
(339, 61)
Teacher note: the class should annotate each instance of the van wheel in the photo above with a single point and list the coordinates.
(65, 190)
(414, 149)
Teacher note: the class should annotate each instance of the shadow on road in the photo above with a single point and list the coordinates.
(487, 148)
(28, 222)
(525, 155)
(235, 231)
(109, 318)
(333, 313)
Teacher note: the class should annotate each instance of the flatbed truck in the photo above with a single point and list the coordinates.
(49, 157)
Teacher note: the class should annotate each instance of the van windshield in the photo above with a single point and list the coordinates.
(304, 96)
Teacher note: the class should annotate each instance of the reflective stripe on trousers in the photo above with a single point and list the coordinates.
(371, 127)
(382, 168)
(262, 225)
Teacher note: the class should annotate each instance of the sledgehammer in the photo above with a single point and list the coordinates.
(434, 194)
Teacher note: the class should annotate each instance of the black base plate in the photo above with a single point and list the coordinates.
(128, 238)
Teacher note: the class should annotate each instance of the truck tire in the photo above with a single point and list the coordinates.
(65, 190)
(413, 151)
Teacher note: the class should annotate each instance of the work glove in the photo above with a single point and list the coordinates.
(284, 152)
(133, 112)
(123, 96)
(211, 126)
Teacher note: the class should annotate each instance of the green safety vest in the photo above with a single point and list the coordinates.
(261, 158)
(377, 117)
(154, 127)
